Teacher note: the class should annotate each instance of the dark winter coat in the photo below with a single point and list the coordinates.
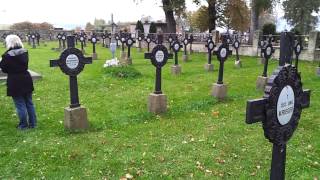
(15, 64)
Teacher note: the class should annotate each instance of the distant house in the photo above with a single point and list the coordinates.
(161, 26)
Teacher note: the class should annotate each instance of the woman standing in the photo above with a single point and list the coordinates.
(19, 82)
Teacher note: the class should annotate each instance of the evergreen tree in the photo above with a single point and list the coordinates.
(153, 28)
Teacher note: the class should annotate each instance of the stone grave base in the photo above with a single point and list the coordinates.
(238, 64)
(35, 76)
(123, 55)
(261, 83)
(261, 60)
(129, 61)
(208, 67)
(75, 118)
(176, 69)
(94, 56)
(157, 103)
(185, 58)
(318, 71)
(219, 91)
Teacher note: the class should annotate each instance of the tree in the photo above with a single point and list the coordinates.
(43, 26)
(153, 28)
(298, 13)
(269, 28)
(199, 20)
(257, 7)
(99, 24)
(89, 27)
(139, 27)
(236, 15)
(22, 26)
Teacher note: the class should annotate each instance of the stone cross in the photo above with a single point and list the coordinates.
(279, 111)
(159, 57)
(72, 62)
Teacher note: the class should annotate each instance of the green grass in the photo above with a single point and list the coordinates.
(198, 137)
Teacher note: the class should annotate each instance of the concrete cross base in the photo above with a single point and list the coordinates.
(176, 69)
(261, 83)
(318, 71)
(208, 67)
(75, 118)
(185, 58)
(219, 91)
(123, 55)
(238, 64)
(94, 56)
(157, 103)
(261, 60)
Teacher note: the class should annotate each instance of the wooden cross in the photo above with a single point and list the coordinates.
(159, 57)
(72, 62)
(123, 41)
(222, 53)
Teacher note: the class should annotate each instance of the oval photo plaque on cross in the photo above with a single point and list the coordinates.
(285, 105)
(72, 61)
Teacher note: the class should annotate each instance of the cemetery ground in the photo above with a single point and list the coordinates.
(198, 137)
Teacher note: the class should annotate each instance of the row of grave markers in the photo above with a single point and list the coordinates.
(279, 110)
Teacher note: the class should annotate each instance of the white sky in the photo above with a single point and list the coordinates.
(75, 12)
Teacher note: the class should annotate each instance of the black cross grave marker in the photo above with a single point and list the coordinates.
(63, 39)
(222, 54)
(279, 110)
(29, 38)
(94, 41)
(59, 36)
(236, 46)
(267, 51)
(33, 37)
(176, 46)
(159, 57)
(123, 41)
(210, 46)
(129, 43)
(191, 39)
(297, 51)
(185, 43)
(140, 38)
(170, 40)
(72, 62)
(38, 38)
(103, 37)
(117, 39)
(82, 40)
(148, 40)
(76, 35)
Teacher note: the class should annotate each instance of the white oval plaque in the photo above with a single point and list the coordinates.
(269, 51)
(298, 48)
(129, 41)
(72, 61)
(176, 47)
(211, 46)
(94, 40)
(223, 53)
(285, 105)
(159, 56)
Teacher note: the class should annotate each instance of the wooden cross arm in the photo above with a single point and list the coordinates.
(54, 63)
(306, 98)
(256, 110)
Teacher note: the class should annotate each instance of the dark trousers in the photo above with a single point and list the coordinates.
(25, 110)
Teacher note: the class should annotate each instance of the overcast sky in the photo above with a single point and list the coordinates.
(74, 12)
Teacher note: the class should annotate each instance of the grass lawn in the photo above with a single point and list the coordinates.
(198, 137)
